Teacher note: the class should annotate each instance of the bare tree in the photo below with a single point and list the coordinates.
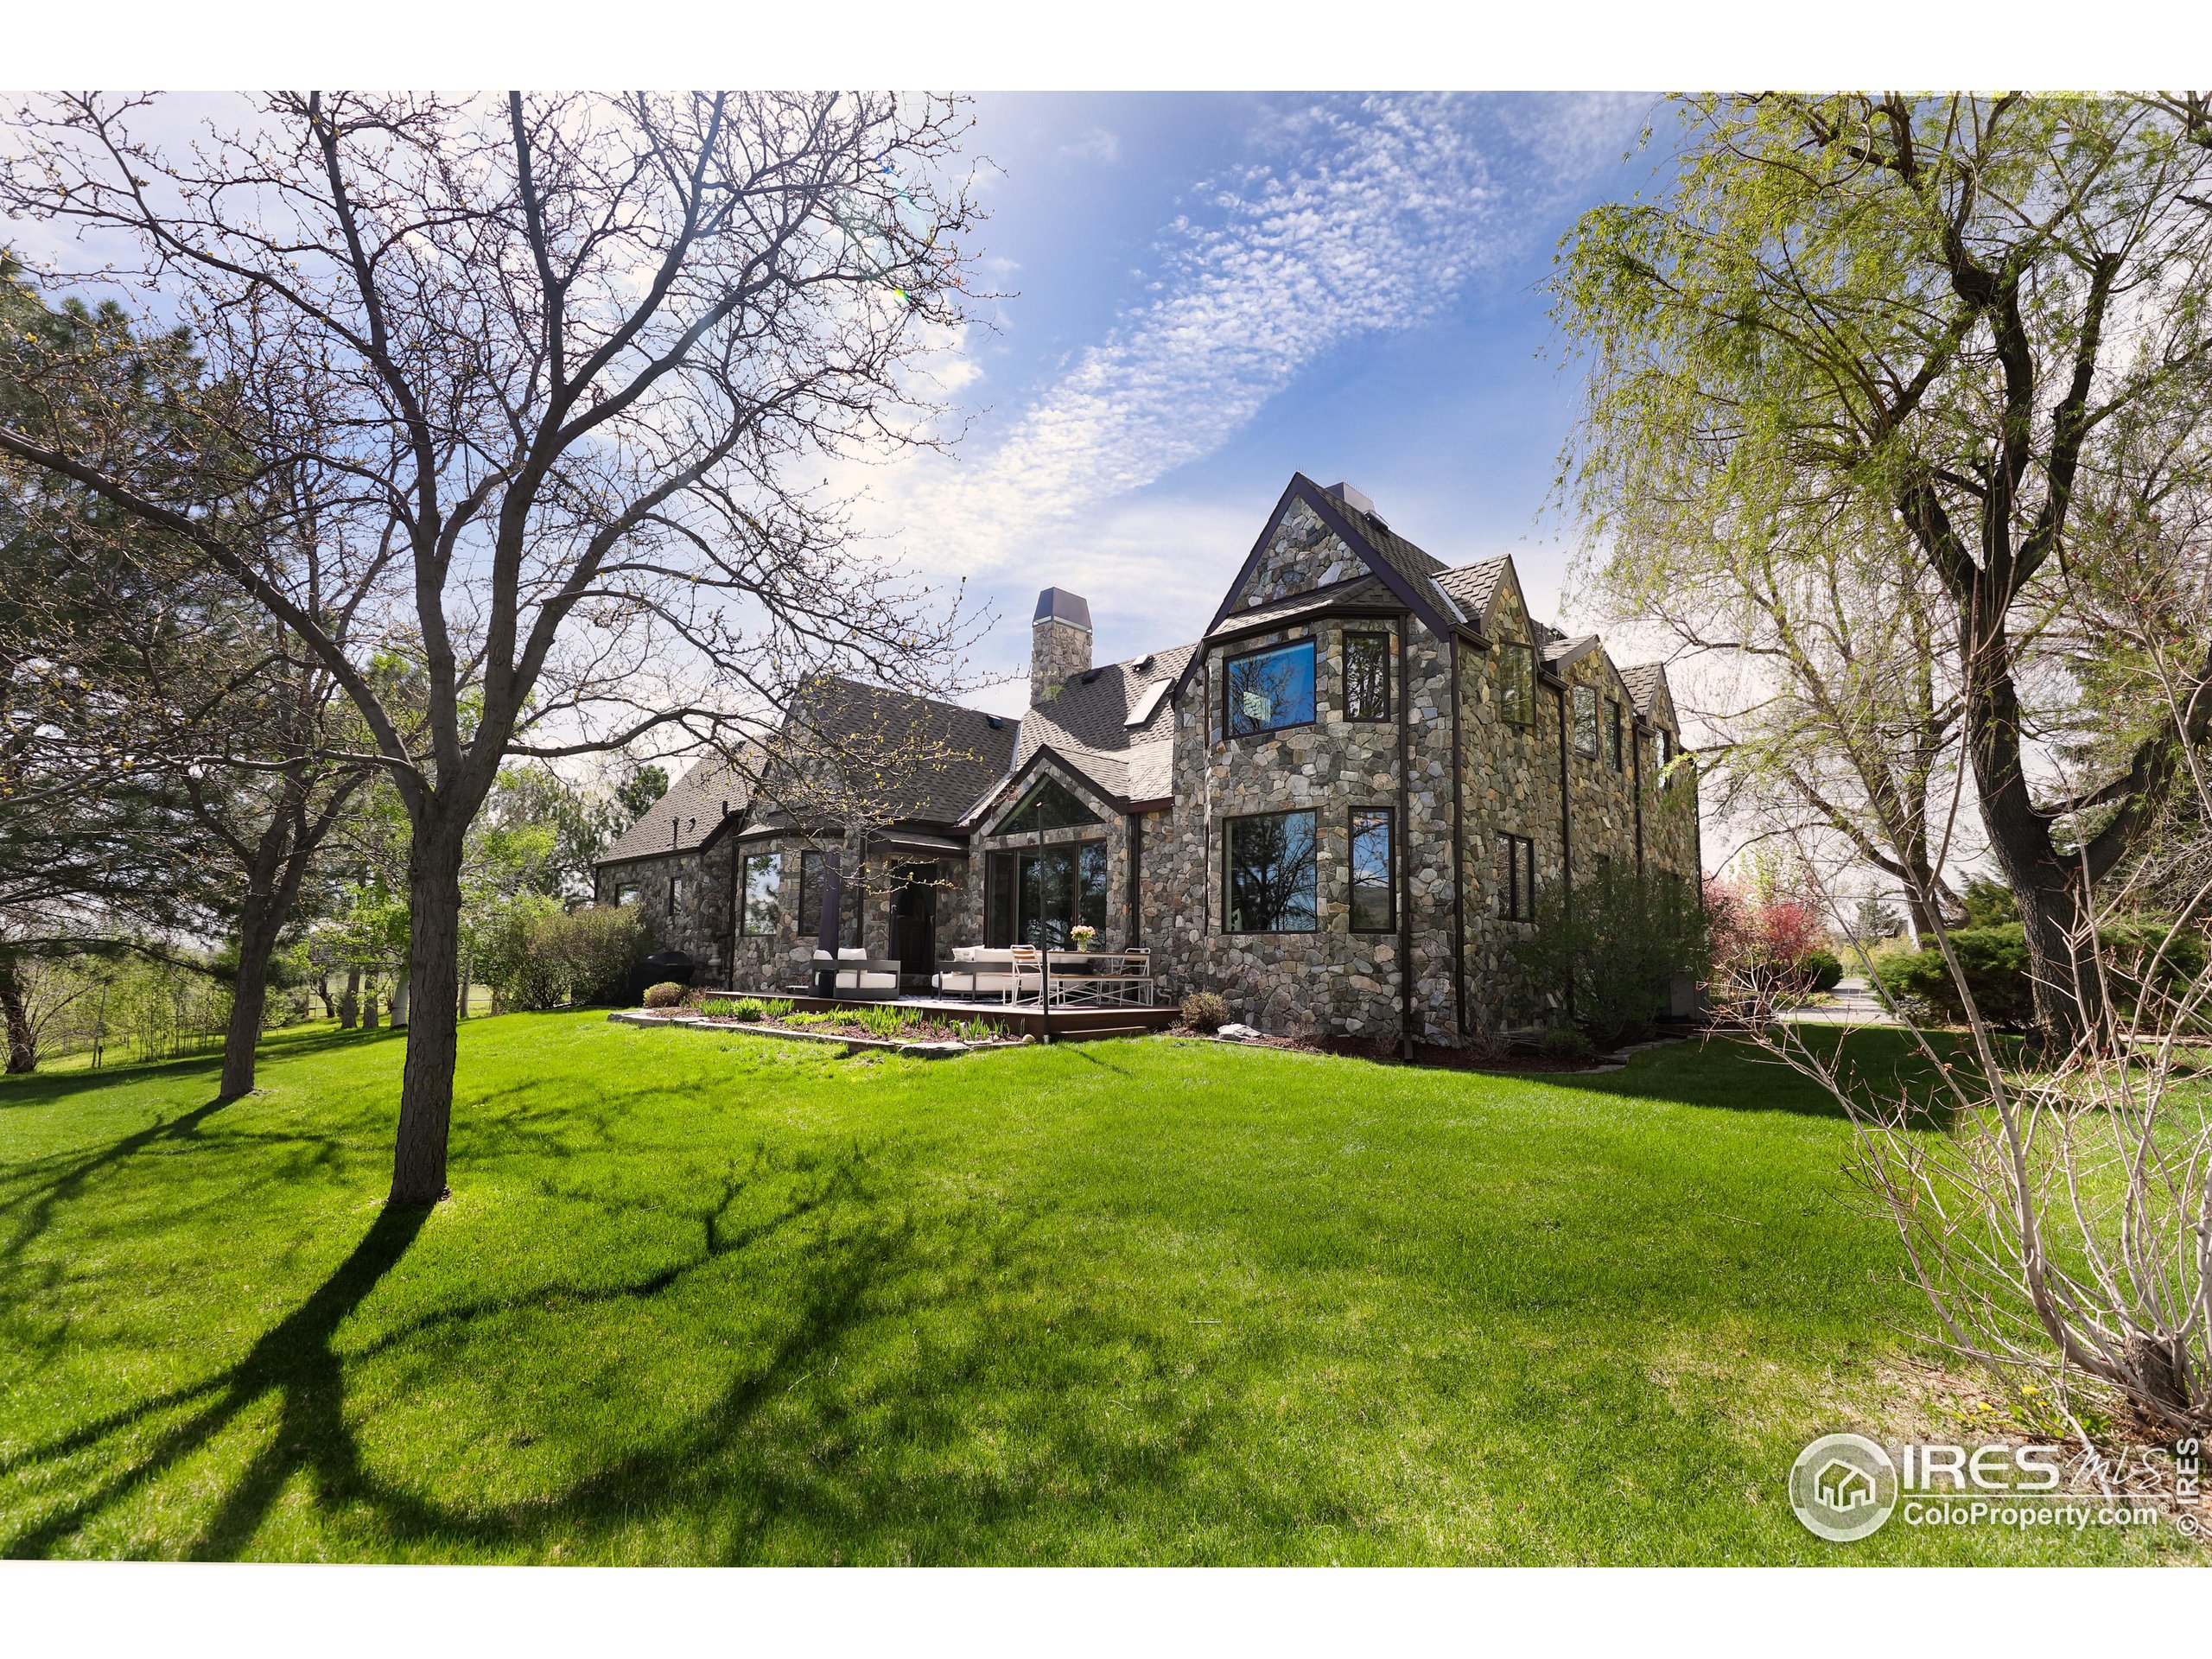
(555, 369)
(1824, 679)
(2060, 1221)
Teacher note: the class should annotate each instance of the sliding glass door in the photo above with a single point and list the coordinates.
(1037, 895)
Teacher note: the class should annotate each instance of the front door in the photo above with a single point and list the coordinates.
(913, 923)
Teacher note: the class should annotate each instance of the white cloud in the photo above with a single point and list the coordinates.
(1095, 145)
(1353, 217)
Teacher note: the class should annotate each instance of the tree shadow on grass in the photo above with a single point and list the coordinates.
(45, 1088)
(937, 1314)
(1733, 1074)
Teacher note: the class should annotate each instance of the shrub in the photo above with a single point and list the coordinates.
(1566, 1043)
(1823, 969)
(535, 955)
(1995, 962)
(1204, 1011)
(1619, 945)
(2136, 955)
(596, 949)
(666, 995)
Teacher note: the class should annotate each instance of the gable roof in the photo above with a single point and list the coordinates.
(1644, 683)
(1475, 585)
(963, 749)
(691, 814)
(1092, 727)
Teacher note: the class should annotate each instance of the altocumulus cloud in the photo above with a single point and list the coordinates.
(1352, 216)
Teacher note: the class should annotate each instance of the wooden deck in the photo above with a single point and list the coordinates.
(1055, 1025)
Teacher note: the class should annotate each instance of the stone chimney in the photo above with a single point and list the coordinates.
(1060, 642)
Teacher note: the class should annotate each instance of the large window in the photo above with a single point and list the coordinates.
(1037, 896)
(1048, 805)
(760, 908)
(1367, 676)
(1517, 692)
(1267, 690)
(1272, 873)
(1585, 721)
(811, 867)
(1517, 878)
(1613, 733)
(627, 893)
(1373, 909)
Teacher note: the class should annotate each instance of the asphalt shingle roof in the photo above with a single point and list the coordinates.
(1474, 585)
(686, 817)
(964, 750)
(1643, 682)
(1087, 724)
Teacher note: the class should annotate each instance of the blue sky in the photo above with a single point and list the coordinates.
(1206, 293)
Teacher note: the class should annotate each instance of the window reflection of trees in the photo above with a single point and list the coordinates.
(1273, 873)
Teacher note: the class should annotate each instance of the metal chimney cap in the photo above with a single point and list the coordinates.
(1057, 605)
(1359, 499)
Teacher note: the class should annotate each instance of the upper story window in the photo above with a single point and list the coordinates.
(1267, 690)
(1613, 734)
(679, 889)
(1367, 676)
(1517, 682)
(760, 908)
(1585, 721)
(627, 893)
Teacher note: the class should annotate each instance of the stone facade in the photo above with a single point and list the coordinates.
(1459, 763)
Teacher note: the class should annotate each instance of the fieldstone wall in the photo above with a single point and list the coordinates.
(1057, 648)
(694, 919)
(1331, 980)
(1303, 554)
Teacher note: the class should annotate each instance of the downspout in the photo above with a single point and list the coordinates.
(1458, 870)
(1402, 849)
(1566, 841)
(1636, 757)
(731, 959)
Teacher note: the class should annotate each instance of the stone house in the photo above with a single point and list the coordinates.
(1338, 807)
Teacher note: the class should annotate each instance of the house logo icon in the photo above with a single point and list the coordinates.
(1843, 1487)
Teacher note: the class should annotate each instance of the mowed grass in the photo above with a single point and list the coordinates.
(701, 1298)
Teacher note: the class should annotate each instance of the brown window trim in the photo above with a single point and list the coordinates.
(1228, 875)
(1226, 663)
(1390, 711)
(1527, 719)
(1389, 817)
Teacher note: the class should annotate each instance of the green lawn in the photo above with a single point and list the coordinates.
(709, 1299)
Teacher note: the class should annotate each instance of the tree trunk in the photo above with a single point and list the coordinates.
(22, 1041)
(418, 1168)
(258, 926)
(402, 999)
(349, 1006)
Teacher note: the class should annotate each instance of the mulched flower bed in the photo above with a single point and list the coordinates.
(922, 1031)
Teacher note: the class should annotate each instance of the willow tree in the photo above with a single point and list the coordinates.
(1969, 322)
(559, 371)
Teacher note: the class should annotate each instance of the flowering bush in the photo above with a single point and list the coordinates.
(1768, 943)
